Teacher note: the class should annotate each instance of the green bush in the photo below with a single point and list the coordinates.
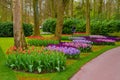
(67, 25)
(6, 29)
(46, 61)
(38, 42)
(81, 26)
(50, 24)
(101, 27)
(28, 29)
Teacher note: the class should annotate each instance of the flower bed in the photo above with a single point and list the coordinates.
(38, 42)
(104, 42)
(70, 52)
(77, 38)
(83, 41)
(46, 61)
(97, 36)
(83, 47)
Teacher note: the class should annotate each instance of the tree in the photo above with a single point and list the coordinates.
(19, 38)
(60, 17)
(36, 18)
(87, 17)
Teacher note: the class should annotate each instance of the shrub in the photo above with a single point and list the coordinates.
(67, 25)
(98, 27)
(38, 42)
(46, 61)
(81, 26)
(28, 29)
(6, 29)
(50, 24)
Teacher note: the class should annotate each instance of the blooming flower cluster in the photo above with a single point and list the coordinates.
(82, 41)
(83, 47)
(76, 44)
(70, 52)
(106, 40)
(64, 49)
(97, 36)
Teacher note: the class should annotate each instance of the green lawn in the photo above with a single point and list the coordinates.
(5, 72)
(72, 65)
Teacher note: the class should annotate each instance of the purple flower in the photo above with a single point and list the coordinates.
(64, 49)
(106, 40)
(77, 38)
(83, 41)
(97, 36)
(76, 44)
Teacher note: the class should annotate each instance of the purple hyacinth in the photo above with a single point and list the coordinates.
(83, 41)
(97, 36)
(64, 49)
(76, 44)
(77, 38)
(106, 40)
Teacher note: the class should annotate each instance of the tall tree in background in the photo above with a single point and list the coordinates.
(71, 8)
(36, 18)
(87, 17)
(100, 4)
(19, 38)
(94, 9)
(60, 17)
(118, 9)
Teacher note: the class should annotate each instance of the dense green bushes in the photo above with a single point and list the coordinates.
(102, 27)
(67, 25)
(50, 24)
(6, 29)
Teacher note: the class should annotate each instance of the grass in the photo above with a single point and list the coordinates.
(72, 65)
(5, 72)
(5, 43)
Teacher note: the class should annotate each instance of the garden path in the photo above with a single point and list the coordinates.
(104, 67)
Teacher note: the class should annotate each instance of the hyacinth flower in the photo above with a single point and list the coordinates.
(97, 37)
(104, 41)
(70, 52)
(77, 38)
(114, 38)
(83, 41)
(82, 46)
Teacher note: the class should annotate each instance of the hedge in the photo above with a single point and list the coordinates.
(50, 24)
(6, 29)
(101, 27)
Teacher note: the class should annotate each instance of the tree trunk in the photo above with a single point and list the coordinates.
(60, 18)
(71, 11)
(94, 9)
(87, 17)
(100, 8)
(19, 38)
(36, 18)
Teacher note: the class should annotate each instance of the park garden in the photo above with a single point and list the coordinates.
(43, 40)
